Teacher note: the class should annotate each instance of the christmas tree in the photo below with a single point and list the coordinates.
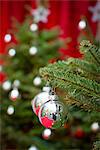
(79, 79)
(33, 48)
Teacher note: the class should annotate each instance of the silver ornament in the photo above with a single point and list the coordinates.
(14, 94)
(40, 99)
(51, 114)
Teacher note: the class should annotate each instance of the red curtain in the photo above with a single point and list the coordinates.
(65, 13)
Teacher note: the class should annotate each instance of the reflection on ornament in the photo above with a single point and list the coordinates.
(16, 83)
(82, 24)
(33, 50)
(37, 81)
(14, 94)
(33, 148)
(6, 85)
(7, 38)
(96, 12)
(51, 114)
(95, 126)
(12, 52)
(33, 27)
(46, 133)
(10, 110)
(40, 99)
(40, 14)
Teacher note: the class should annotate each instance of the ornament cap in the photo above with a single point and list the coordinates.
(53, 97)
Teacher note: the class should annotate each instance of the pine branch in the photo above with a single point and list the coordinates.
(90, 51)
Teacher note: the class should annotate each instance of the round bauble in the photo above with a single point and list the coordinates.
(52, 114)
(46, 134)
(40, 99)
(14, 94)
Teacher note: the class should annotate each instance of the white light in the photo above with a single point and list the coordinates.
(46, 132)
(82, 24)
(7, 38)
(12, 52)
(33, 148)
(33, 50)
(14, 93)
(6, 85)
(0, 68)
(95, 126)
(37, 81)
(10, 110)
(16, 83)
(33, 27)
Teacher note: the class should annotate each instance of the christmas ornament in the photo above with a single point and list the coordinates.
(16, 83)
(33, 148)
(82, 24)
(37, 81)
(40, 99)
(33, 27)
(12, 52)
(95, 126)
(14, 94)
(10, 110)
(51, 113)
(7, 38)
(46, 134)
(79, 133)
(6, 85)
(33, 50)
(96, 12)
(40, 14)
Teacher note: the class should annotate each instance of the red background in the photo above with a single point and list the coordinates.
(65, 13)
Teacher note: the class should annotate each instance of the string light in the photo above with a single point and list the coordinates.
(16, 83)
(95, 126)
(12, 52)
(7, 38)
(37, 81)
(82, 24)
(6, 85)
(33, 148)
(33, 50)
(10, 110)
(33, 27)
